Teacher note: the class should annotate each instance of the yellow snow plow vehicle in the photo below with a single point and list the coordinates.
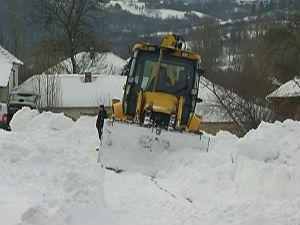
(157, 112)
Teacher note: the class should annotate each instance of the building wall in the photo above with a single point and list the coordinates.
(215, 127)
(75, 112)
(286, 108)
(3, 94)
(12, 83)
(14, 77)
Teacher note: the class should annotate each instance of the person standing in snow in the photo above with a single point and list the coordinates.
(102, 114)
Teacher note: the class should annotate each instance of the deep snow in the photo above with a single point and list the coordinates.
(49, 175)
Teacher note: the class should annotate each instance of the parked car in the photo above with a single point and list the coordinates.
(18, 99)
(3, 116)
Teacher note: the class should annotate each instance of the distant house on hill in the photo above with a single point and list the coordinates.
(94, 63)
(9, 67)
(75, 95)
(286, 100)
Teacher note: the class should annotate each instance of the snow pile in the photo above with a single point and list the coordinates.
(22, 117)
(46, 175)
(31, 120)
(255, 178)
(49, 175)
(267, 160)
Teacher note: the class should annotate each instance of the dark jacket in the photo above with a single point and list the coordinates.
(100, 119)
(163, 84)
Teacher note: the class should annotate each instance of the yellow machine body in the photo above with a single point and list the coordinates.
(160, 101)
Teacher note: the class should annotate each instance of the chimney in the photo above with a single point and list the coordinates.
(87, 77)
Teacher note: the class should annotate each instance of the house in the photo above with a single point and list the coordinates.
(9, 67)
(286, 100)
(214, 117)
(75, 95)
(93, 62)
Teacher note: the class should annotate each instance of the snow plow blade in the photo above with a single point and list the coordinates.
(130, 147)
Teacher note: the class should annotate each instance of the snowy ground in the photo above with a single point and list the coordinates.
(49, 175)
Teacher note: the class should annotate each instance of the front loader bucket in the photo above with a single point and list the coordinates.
(130, 147)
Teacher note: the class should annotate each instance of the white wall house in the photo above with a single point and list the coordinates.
(75, 95)
(9, 68)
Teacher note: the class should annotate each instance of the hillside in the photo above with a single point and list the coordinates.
(122, 23)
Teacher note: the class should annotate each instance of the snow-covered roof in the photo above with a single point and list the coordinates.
(6, 56)
(74, 92)
(207, 108)
(103, 63)
(6, 62)
(288, 89)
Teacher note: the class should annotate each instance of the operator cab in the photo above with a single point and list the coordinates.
(158, 69)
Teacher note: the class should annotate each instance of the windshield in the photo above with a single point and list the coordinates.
(175, 74)
(23, 98)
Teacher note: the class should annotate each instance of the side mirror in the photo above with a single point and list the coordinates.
(130, 80)
(198, 100)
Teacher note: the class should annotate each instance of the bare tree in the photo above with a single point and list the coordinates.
(280, 50)
(45, 56)
(49, 89)
(245, 113)
(265, 54)
(102, 99)
(85, 63)
(297, 81)
(206, 41)
(47, 86)
(16, 28)
(70, 24)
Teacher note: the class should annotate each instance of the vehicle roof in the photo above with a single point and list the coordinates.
(23, 92)
(173, 51)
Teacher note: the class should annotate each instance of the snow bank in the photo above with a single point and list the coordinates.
(267, 161)
(21, 118)
(261, 179)
(49, 175)
(32, 120)
(256, 147)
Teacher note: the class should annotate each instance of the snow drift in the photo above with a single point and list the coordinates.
(49, 175)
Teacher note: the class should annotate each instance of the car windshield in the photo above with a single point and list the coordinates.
(172, 66)
(23, 97)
